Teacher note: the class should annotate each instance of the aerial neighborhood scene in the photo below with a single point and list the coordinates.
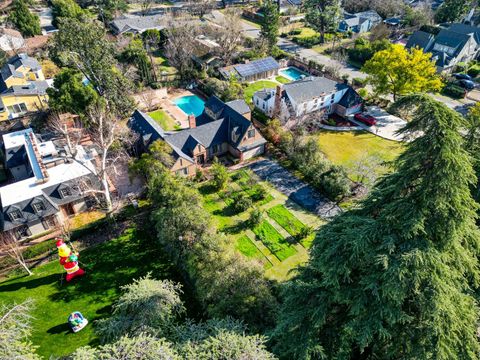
(239, 179)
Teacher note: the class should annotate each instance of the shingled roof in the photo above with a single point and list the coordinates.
(311, 87)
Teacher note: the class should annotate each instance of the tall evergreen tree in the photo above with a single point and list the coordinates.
(24, 20)
(395, 279)
(452, 10)
(270, 23)
(322, 15)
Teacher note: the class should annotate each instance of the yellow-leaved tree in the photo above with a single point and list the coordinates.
(399, 71)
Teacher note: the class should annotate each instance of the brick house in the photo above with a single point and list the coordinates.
(222, 129)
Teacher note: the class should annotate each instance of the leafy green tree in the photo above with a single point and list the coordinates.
(70, 94)
(145, 347)
(14, 332)
(270, 23)
(66, 9)
(452, 10)
(398, 71)
(396, 278)
(146, 306)
(220, 175)
(134, 53)
(107, 10)
(83, 45)
(24, 20)
(472, 144)
(322, 15)
(218, 340)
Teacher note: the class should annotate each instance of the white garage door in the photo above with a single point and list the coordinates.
(253, 152)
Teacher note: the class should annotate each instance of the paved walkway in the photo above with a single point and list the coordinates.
(387, 124)
(297, 190)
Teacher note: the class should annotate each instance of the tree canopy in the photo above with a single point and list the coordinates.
(396, 278)
(270, 23)
(322, 15)
(66, 9)
(452, 10)
(70, 94)
(83, 45)
(24, 20)
(399, 71)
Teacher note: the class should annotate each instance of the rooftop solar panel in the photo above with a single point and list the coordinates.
(257, 66)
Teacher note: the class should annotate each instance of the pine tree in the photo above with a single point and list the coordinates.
(322, 15)
(271, 17)
(24, 20)
(395, 279)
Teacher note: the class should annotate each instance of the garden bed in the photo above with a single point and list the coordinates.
(246, 247)
(275, 242)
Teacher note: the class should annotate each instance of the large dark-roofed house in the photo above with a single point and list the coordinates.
(458, 43)
(218, 131)
(253, 70)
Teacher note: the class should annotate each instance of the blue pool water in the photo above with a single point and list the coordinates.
(191, 104)
(293, 73)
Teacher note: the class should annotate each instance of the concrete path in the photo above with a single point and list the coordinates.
(296, 190)
(387, 124)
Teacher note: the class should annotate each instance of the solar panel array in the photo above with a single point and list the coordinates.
(257, 67)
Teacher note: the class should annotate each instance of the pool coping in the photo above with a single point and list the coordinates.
(288, 76)
(183, 96)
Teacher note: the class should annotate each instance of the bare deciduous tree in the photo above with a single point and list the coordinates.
(13, 248)
(366, 169)
(201, 7)
(180, 46)
(145, 6)
(229, 36)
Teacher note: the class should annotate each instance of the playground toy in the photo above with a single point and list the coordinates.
(77, 321)
(69, 260)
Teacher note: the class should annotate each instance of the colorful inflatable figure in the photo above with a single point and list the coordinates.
(76, 321)
(69, 260)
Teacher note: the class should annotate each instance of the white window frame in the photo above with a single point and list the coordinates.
(66, 189)
(15, 215)
(38, 204)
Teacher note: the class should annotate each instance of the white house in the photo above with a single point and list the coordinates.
(306, 96)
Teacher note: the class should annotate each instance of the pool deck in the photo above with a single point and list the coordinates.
(173, 110)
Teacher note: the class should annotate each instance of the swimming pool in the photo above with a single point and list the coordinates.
(293, 73)
(190, 104)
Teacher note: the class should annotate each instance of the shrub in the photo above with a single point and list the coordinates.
(304, 232)
(359, 81)
(241, 202)
(363, 92)
(454, 91)
(474, 71)
(258, 192)
(220, 175)
(255, 218)
(295, 32)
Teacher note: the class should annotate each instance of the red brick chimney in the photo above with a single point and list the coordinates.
(191, 121)
(278, 99)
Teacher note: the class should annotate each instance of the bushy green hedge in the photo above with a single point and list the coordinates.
(454, 91)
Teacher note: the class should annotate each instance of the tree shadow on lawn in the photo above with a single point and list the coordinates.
(237, 227)
(113, 264)
(29, 284)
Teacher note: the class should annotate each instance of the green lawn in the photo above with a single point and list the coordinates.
(256, 86)
(108, 266)
(282, 79)
(286, 219)
(164, 120)
(274, 241)
(246, 247)
(347, 148)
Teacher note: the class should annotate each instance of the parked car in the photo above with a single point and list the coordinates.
(467, 84)
(459, 76)
(365, 119)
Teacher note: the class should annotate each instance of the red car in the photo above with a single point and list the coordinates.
(366, 119)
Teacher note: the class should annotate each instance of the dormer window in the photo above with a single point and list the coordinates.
(65, 192)
(39, 206)
(15, 215)
(251, 133)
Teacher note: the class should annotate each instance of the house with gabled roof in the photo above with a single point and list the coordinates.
(135, 24)
(220, 130)
(46, 183)
(457, 43)
(360, 22)
(23, 87)
(307, 96)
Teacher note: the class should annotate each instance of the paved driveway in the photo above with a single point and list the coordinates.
(387, 124)
(296, 190)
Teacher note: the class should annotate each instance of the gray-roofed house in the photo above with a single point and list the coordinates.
(220, 130)
(135, 24)
(252, 70)
(360, 22)
(46, 184)
(458, 43)
(23, 87)
(307, 96)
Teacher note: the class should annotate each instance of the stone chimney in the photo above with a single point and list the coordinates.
(191, 121)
